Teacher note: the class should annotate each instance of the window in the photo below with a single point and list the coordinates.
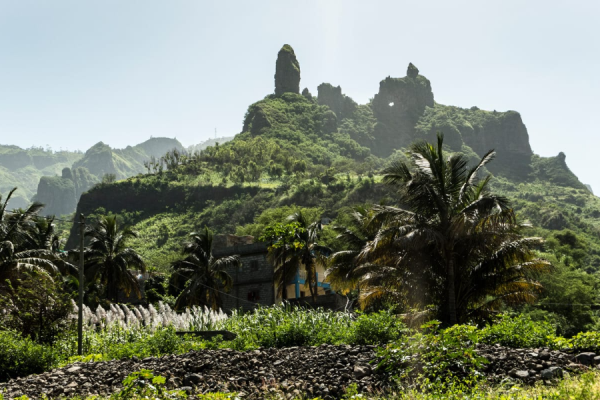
(254, 265)
(254, 295)
(302, 294)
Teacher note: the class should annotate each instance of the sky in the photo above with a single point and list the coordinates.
(73, 73)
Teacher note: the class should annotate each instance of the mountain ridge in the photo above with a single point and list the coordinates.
(297, 151)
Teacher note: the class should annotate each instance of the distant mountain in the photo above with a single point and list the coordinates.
(207, 143)
(23, 168)
(58, 178)
(100, 163)
(101, 159)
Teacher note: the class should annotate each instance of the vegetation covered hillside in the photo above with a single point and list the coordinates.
(324, 154)
(60, 188)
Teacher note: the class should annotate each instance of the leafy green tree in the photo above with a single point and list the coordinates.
(37, 306)
(202, 275)
(109, 260)
(107, 179)
(254, 171)
(451, 240)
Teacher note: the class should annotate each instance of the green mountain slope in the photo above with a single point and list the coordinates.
(325, 152)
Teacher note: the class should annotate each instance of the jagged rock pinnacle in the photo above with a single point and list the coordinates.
(306, 93)
(287, 71)
(412, 71)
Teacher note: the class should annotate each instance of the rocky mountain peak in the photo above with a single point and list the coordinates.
(331, 96)
(412, 71)
(287, 71)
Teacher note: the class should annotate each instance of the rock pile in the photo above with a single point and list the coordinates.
(531, 365)
(317, 371)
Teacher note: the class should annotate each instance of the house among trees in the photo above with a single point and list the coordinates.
(254, 283)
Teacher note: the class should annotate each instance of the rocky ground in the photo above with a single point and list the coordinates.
(531, 365)
(318, 371)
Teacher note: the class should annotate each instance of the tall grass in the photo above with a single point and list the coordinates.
(192, 319)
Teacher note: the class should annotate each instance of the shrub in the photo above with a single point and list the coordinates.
(284, 325)
(435, 360)
(20, 356)
(586, 341)
(517, 331)
(377, 328)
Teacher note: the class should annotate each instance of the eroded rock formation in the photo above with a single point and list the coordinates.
(58, 194)
(287, 71)
(331, 96)
(307, 94)
(397, 107)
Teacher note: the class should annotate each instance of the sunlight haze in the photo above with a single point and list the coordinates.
(74, 73)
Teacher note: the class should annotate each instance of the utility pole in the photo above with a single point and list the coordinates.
(81, 286)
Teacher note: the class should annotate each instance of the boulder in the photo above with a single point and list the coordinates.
(360, 371)
(586, 358)
(552, 373)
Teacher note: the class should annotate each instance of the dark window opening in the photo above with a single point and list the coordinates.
(254, 265)
(253, 295)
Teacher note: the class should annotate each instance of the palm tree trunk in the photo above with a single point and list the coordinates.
(314, 288)
(451, 294)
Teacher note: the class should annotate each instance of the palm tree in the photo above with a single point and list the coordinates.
(16, 226)
(299, 250)
(375, 277)
(343, 271)
(19, 250)
(202, 275)
(451, 240)
(108, 259)
(13, 264)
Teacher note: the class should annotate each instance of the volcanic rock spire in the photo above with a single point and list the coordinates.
(287, 71)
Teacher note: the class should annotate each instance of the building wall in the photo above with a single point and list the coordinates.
(321, 290)
(253, 282)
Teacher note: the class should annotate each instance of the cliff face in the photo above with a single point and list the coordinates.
(58, 194)
(23, 168)
(554, 170)
(482, 131)
(397, 107)
(331, 96)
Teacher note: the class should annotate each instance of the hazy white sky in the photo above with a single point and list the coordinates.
(73, 73)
